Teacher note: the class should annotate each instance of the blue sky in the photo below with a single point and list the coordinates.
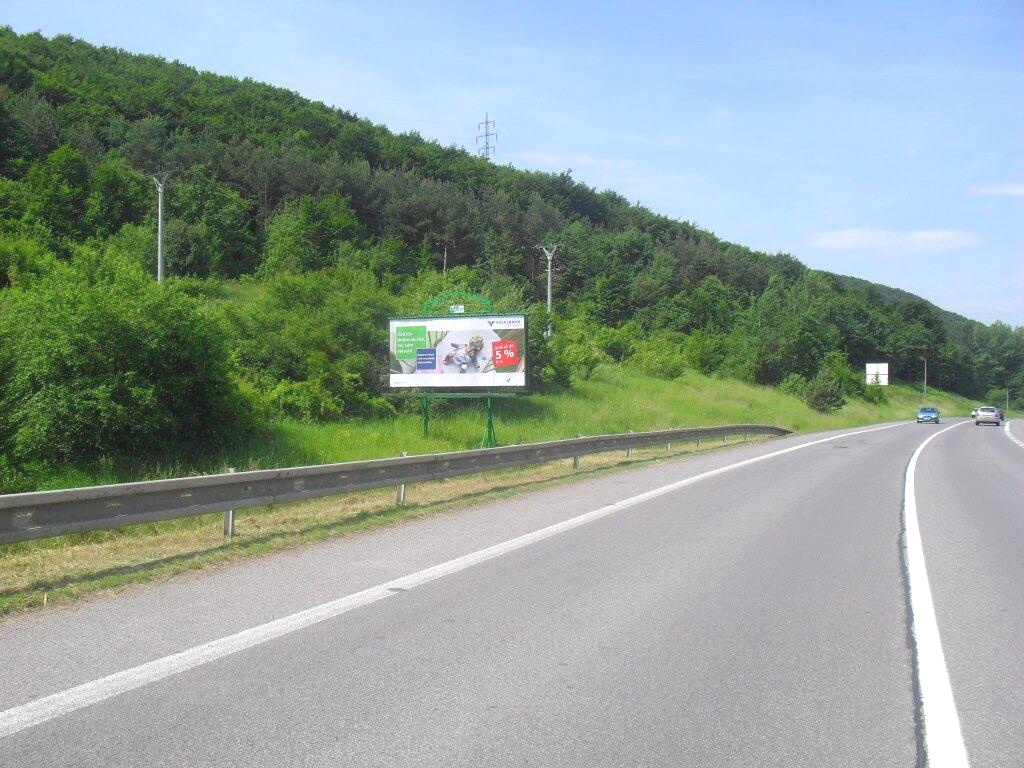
(881, 140)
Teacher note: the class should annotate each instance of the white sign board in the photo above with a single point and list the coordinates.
(458, 351)
(876, 373)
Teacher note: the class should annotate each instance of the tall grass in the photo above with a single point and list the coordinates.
(615, 399)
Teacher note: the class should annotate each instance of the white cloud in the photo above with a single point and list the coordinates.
(892, 243)
(1000, 190)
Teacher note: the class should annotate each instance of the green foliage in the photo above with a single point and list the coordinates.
(117, 196)
(58, 192)
(98, 360)
(824, 392)
(794, 384)
(576, 348)
(661, 356)
(704, 351)
(839, 368)
(209, 227)
(785, 330)
(548, 366)
(306, 234)
(302, 334)
(21, 258)
(306, 400)
(343, 223)
(875, 393)
(996, 397)
(621, 342)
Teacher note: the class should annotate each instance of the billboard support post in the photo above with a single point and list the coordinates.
(489, 441)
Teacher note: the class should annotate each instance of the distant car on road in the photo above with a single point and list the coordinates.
(928, 413)
(987, 415)
(974, 413)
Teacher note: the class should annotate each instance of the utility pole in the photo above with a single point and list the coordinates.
(487, 149)
(926, 377)
(159, 179)
(549, 251)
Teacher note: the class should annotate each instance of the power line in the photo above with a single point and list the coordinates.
(487, 149)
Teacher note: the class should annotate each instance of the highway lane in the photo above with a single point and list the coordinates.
(757, 617)
(971, 493)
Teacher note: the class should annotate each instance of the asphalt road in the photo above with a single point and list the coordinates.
(756, 616)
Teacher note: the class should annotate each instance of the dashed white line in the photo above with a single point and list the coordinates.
(56, 705)
(1009, 434)
(943, 739)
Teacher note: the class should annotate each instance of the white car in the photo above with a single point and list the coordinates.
(987, 415)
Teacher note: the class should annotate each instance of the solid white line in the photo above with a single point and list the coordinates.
(943, 740)
(1009, 434)
(56, 705)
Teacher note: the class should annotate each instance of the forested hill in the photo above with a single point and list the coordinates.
(293, 229)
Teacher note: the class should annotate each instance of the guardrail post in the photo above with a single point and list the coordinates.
(229, 516)
(576, 458)
(400, 497)
(629, 451)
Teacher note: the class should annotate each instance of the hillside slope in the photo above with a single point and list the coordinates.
(294, 229)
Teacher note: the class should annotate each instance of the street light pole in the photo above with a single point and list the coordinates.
(549, 251)
(926, 377)
(159, 179)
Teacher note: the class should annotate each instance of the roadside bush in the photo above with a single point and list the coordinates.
(839, 368)
(576, 347)
(303, 400)
(315, 344)
(98, 360)
(619, 343)
(824, 392)
(794, 384)
(875, 393)
(660, 356)
(704, 351)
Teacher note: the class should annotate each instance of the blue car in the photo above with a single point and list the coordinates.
(928, 413)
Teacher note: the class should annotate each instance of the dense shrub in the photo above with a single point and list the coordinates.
(576, 348)
(96, 360)
(824, 392)
(875, 393)
(661, 356)
(704, 351)
(794, 384)
(299, 334)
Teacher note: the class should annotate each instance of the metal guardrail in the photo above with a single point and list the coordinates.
(37, 515)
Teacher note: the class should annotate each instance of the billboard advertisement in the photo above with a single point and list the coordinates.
(486, 351)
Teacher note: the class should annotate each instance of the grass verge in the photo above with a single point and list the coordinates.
(614, 400)
(63, 569)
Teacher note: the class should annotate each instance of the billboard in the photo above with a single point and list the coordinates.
(876, 373)
(485, 351)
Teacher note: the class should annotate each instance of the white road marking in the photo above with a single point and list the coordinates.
(56, 705)
(1009, 434)
(943, 740)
